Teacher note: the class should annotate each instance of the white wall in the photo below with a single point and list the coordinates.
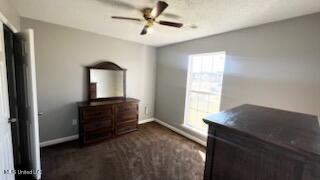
(61, 56)
(275, 65)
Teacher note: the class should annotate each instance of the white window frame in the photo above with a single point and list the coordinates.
(188, 84)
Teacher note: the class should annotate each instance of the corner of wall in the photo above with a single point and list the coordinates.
(8, 10)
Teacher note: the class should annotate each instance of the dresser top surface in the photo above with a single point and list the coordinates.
(296, 131)
(107, 102)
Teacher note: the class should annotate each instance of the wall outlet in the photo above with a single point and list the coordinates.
(74, 122)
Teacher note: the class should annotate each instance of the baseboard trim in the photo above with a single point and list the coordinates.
(183, 133)
(58, 141)
(146, 121)
(74, 137)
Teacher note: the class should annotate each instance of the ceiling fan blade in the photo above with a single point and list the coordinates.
(144, 30)
(158, 9)
(126, 18)
(173, 24)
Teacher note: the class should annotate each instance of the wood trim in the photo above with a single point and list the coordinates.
(146, 120)
(75, 137)
(181, 132)
(59, 140)
(107, 65)
(125, 83)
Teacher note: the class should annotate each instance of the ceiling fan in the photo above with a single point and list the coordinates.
(150, 16)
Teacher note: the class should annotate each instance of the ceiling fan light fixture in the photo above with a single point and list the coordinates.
(150, 15)
(149, 30)
(150, 22)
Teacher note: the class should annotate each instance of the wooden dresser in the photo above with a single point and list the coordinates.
(258, 143)
(108, 118)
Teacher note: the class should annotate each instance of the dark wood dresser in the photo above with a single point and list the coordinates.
(108, 118)
(259, 143)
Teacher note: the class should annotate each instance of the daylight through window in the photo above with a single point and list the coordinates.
(204, 86)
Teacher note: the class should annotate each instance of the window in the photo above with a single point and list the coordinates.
(204, 86)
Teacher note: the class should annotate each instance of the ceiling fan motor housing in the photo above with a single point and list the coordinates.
(150, 15)
(147, 13)
(147, 16)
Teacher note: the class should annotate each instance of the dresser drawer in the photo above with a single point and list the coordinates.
(126, 127)
(127, 116)
(97, 125)
(127, 107)
(100, 120)
(97, 114)
(98, 135)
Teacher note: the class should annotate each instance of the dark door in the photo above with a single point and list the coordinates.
(22, 100)
(16, 74)
(9, 48)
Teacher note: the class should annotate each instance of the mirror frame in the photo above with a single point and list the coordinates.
(107, 65)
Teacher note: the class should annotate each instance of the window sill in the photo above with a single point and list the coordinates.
(196, 131)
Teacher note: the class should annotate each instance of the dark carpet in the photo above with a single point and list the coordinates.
(151, 153)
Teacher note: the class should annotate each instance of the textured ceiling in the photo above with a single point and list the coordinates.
(210, 16)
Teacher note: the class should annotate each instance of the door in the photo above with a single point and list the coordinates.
(26, 61)
(22, 102)
(13, 100)
(6, 152)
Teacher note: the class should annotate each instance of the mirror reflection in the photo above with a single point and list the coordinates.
(106, 83)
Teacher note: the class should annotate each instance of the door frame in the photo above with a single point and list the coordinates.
(5, 21)
(9, 150)
(35, 152)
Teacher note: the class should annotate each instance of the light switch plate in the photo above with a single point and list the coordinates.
(146, 110)
(74, 122)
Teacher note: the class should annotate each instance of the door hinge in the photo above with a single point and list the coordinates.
(12, 120)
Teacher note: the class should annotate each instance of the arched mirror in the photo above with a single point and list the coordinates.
(106, 80)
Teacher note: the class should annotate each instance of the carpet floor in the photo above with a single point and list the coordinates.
(151, 153)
